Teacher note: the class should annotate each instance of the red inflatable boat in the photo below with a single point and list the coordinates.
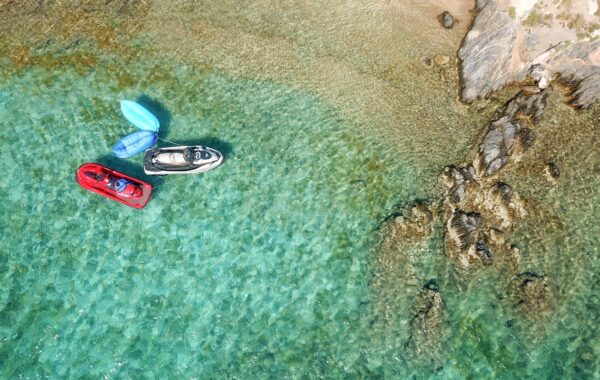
(114, 185)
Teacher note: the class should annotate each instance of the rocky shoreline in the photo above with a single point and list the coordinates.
(510, 42)
(477, 214)
(519, 40)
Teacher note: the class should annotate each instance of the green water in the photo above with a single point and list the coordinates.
(257, 268)
(264, 266)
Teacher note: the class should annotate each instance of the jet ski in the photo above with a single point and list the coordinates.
(181, 160)
(114, 185)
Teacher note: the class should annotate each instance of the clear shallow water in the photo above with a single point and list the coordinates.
(257, 268)
(261, 267)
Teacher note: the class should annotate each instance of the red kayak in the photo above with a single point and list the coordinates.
(114, 185)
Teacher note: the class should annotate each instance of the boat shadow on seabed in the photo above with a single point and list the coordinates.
(164, 118)
(137, 170)
(160, 111)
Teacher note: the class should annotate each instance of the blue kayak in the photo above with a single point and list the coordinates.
(134, 143)
(139, 116)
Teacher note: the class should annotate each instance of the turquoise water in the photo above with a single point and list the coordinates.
(264, 266)
(256, 268)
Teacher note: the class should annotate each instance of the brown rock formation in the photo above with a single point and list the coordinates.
(427, 322)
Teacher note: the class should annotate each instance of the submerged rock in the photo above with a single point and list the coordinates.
(446, 20)
(441, 60)
(552, 172)
(463, 237)
(497, 147)
(399, 231)
(502, 206)
(526, 138)
(456, 180)
(527, 104)
(483, 252)
(504, 191)
(426, 61)
(532, 292)
(420, 218)
(496, 237)
(464, 227)
(413, 225)
(494, 151)
(427, 322)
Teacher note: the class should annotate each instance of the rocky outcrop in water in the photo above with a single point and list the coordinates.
(503, 134)
(457, 179)
(408, 227)
(395, 274)
(427, 322)
(446, 20)
(462, 238)
(495, 150)
(511, 41)
(532, 293)
(400, 234)
(529, 104)
(578, 66)
(552, 172)
(477, 209)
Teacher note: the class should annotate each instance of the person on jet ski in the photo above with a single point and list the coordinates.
(127, 188)
(122, 186)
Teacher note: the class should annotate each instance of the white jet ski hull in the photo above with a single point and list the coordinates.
(181, 160)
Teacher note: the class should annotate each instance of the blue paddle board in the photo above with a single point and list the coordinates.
(134, 143)
(139, 116)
